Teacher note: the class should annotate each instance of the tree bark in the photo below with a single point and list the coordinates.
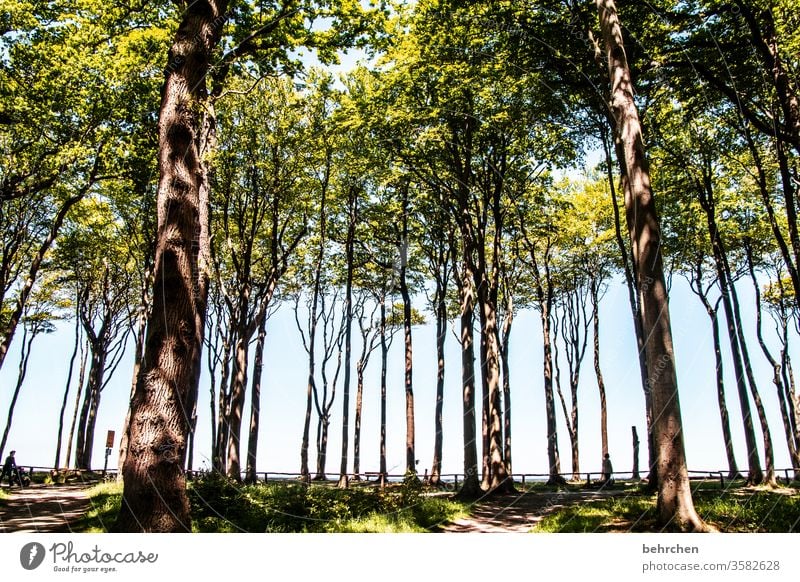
(601, 387)
(154, 494)
(348, 332)
(675, 505)
(441, 334)
(777, 378)
(629, 266)
(471, 486)
(411, 461)
(255, 403)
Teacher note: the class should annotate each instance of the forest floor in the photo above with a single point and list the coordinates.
(43, 508)
(520, 513)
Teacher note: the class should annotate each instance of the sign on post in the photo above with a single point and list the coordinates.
(110, 440)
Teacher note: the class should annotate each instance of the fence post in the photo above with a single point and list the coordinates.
(523, 479)
(721, 480)
(456, 476)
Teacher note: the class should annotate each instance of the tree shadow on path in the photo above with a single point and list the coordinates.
(43, 509)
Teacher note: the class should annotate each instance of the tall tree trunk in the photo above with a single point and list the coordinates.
(471, 486)
(154, 494)
(441, 334)
(707, 202)
(96, 381)
(504, 347)
(629, 266)
(81, 378)
(411, 461)
(675, 505)
(382, 478)
(348, 334)
(141, 329)
(57, 462)
(601, 387)
(769, 455)
(237, 393)
(220, 460)
(777, 377)
(486, 470)
(696, 284)
(82, 460)
(255, 403)
(27, 340)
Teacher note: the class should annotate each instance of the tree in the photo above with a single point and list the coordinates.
(675, 505)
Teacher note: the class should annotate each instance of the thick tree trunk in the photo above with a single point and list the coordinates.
(237, 392)
(83, 459)
(141, 329)
(154, 495)
(498, 475)
(255, 403)
(675, 505)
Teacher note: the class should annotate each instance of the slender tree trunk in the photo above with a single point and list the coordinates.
(255, 403)
(769, 455)
(675, 505)
(220, 461)
(635, 472)
(154, 495)
(81, 377)
(27, 340)
(82, 460)
(629, 266)
(486, 470)
(471, 486)
(384, 365)
(411, 461)
(57, 462)
(96, 381)
(504, 347)
(348, 337)
(441, 334)
(601, 387)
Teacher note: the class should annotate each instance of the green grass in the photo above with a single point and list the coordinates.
(105, 500)
(219, 505)
(733, 509)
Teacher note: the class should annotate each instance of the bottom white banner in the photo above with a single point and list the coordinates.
(333, 557)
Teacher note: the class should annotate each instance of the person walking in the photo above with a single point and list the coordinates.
(9, 467)
(608, 469)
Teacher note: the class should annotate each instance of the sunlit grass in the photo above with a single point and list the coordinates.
(734, 508)
(105, 500)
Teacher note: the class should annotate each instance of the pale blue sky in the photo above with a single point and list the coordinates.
(284, 384)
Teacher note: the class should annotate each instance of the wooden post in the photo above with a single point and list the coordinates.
(635, 454)
(523, 480)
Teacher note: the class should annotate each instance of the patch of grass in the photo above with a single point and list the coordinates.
(219, 505)
(105, 500)
(632, 513)
(734, 509)
(753, 510)
(3, 495)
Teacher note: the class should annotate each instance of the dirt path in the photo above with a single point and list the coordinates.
(44, 509)
(519, 513)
